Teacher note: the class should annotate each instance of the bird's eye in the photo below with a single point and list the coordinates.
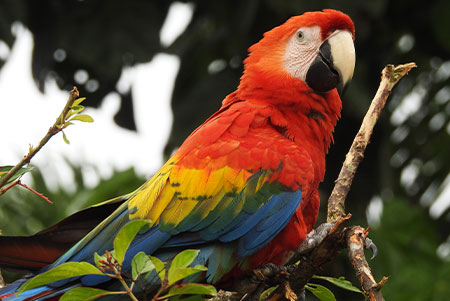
(300, 36)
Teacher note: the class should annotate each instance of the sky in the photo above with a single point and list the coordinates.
(100, 147)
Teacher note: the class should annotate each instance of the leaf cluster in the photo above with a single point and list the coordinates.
(142, 265)
(65, 120)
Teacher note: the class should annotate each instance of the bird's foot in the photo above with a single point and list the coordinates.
(271, 273)
(262, 278)
(315, 237)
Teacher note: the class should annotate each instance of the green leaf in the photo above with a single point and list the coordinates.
(74, 110)
(159, 267)
(63, 271)
(190, 298)
(126, 236)
(77, 108)
(267, 292)
(65, 138)
(340, 282)
(191, 289)
(141, 264)
(181, 273)
(78, 101)
(178, 267)
(66, 124)
(320, 292)
(83, 118)
(4, 170)
(183, 259)
(84, 293)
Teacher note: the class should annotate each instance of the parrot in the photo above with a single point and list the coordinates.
(242, 188)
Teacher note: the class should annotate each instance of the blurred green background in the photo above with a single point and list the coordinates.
(405, 169)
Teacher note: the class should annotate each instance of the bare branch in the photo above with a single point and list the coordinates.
(389, 78)
(34, 191)
(53, 130)
(2, 282)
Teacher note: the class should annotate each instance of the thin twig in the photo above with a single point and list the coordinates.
(53, 130)
(35, 192)
(389, 78)
(356, 237)
(5, 189)
(2, 282)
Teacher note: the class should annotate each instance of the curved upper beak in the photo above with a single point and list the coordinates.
(334, 65)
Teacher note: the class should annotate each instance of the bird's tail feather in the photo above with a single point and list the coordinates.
(9, 293)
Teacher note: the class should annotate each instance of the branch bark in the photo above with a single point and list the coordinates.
(355, 237)
(336, 203)
(389, 78)
(2, 282)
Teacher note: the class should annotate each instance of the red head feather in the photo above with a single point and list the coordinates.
(267, 54)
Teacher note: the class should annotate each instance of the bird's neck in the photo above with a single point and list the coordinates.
(302, 115)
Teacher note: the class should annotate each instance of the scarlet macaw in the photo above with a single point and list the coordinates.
(242, 188)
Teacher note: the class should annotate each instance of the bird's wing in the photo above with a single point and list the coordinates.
(209, 191)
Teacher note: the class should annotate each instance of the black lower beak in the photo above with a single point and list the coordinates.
(321, 75)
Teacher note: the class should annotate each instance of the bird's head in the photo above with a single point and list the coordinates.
(315, 48)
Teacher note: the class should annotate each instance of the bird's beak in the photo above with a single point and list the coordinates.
(334, 64)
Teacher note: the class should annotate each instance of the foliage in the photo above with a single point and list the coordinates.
(110, 264)
(340, 282)
(66, 200)
(408, 239)
(18, 174)
(320, 292)
(72, 115)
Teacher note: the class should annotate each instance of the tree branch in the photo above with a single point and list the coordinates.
(355, 238)
(339, 237)
(389, 78)
(53, 130)
(2, 282)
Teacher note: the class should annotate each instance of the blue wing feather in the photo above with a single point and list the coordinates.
(284, 206)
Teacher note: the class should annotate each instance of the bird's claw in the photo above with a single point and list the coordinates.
(271, 271)
(369, 244)
(264, 277)
(315, 237)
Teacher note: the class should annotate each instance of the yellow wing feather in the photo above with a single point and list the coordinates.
(175, 192)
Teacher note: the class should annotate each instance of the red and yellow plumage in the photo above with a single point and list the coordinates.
(242, 188)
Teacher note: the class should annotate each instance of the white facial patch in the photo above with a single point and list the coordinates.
(303, 48)
(301, 52)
